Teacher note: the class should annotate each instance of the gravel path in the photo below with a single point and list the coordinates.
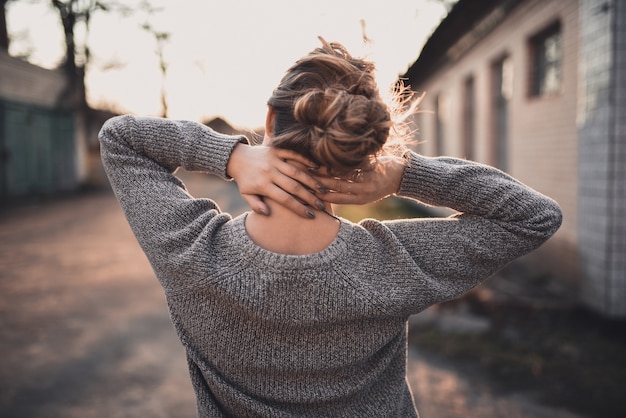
(85, 332)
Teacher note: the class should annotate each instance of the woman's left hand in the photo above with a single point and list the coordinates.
(262, 171)
(372, 183)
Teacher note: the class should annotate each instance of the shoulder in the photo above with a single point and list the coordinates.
(377, 240)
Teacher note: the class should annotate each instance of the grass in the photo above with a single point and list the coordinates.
(387, 209)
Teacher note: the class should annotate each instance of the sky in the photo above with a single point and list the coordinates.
(224, 57)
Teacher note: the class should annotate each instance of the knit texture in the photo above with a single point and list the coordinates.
(320, 335)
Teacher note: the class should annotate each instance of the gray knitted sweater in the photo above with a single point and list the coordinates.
(320, 335)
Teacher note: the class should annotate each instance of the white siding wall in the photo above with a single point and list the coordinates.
(542, 147)
(27, 83)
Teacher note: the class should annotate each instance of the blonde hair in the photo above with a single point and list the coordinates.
(329, 109)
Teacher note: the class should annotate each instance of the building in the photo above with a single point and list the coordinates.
(45, 148)
(537, 88)
(39, 153)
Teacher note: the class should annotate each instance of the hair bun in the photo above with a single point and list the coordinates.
(344, 129)
(319, 107)
(327, 107)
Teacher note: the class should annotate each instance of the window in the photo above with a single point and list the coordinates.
(546, 61)
(501, 93)
(469, 118)
(440, 123)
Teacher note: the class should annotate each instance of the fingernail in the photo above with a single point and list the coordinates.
(320, 205)
(263, 212)
(310, 214)
(322, 189)
(313, 169)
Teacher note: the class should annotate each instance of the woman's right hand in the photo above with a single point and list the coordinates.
(380, 180)
(275, 173)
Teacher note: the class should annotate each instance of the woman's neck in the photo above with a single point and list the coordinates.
(285, 232)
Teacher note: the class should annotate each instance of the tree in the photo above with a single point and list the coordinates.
(161, 38)
(448, 4)
(73, 13)
(75, 18)
(4, 35)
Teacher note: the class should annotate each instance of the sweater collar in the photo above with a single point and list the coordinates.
(251, 253)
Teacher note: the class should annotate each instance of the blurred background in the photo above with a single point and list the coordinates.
(534, 87)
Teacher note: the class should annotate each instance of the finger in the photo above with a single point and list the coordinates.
(343, 198)
(299, 191)
(356, 197)
(321, 172)
(349, 192)
(294, 173)
(336, 185)
(290, 202)
(256, 203)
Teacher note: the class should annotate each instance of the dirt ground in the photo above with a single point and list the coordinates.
(85, 332)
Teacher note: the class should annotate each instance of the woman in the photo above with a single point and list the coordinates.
(288, 310)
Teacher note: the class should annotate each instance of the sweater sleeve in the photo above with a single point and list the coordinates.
(140, 156)
(498, 219)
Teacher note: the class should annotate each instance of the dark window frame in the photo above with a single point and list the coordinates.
(469, 117)
(501, 84)
(440, 123)
(546, 61)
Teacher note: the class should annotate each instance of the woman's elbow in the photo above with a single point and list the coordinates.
(548, 219)
(114, 128)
